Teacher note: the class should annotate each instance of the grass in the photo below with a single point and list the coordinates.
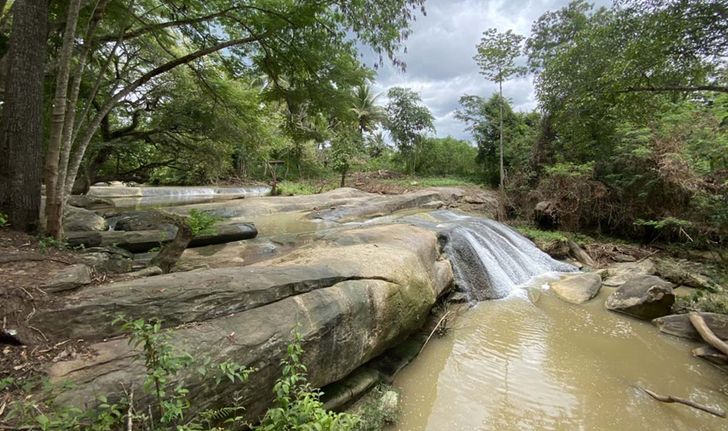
(542, 235)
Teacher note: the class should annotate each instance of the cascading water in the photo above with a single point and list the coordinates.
(489, 259)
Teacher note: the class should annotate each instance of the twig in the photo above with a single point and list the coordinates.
(706, 334)
(38, 331)
(670, 399)
(26, 292)
(442, 319)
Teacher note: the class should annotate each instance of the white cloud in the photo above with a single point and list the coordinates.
(440, 52)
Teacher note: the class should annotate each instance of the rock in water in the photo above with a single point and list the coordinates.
(645, 297)
(79, 219)
(577, 288)
(68, 278)
(679, 325)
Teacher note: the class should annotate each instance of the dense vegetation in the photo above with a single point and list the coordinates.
(629, 138)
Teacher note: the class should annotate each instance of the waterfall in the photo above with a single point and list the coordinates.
(489, 259)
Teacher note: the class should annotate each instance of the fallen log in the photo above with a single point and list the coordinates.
(671, 399)
(699, 323)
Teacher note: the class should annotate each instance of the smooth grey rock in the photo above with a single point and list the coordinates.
(679, 325)
(79, 219)
(89, 202)
(68, 278)
(577, 288)
(352, 295)
(618, 273)
(135, 242)
(646, 297)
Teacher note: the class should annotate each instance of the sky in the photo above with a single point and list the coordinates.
(440, 50)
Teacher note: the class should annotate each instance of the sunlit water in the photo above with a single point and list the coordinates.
(533, 362)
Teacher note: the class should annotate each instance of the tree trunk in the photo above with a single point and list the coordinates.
(21, 130)
(501, 185)
(343, 178)
(171, 252)
(54, 200)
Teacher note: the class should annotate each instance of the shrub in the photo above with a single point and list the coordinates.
(201, 223)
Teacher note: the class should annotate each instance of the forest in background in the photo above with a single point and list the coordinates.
(629, 137)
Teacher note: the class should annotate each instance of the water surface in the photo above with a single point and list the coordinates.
(542, 364)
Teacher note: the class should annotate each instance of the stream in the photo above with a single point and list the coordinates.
(534, 362)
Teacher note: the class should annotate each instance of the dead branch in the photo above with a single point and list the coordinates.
(670, 399)
(442, 319)
(706, 333)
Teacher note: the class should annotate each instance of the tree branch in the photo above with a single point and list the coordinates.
(161, 26)
(671, 88)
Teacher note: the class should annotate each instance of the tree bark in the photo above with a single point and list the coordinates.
(21, 130)
(54, 201)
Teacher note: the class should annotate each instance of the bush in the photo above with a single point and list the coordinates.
(201, 223)
(3, 220)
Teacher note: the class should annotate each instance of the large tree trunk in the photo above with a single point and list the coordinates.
(54, 200)
(21, 131)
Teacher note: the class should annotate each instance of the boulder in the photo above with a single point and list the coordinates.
(68, 278)
(89, 202)
(223, 233)
(107, 259)
(645, 297)
(711, 354)
(577, 288)
(79, 219)
(618, 273)
(351, 296)
(142, 220)
(680, 326)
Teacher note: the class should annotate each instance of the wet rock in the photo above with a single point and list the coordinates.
(577, 288)
(434, 205)
(645, 297)
(679, 325)
(619, 273)
(79, 219)
(68, 278)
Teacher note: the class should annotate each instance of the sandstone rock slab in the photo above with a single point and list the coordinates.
(577, 288)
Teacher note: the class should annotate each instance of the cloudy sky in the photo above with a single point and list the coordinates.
(440, 52)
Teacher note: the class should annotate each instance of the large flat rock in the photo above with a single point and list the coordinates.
(680, 326)
(354, 294)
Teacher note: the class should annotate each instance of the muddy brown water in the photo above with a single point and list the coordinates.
(533, 362)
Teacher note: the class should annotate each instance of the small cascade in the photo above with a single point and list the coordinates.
(489, 259)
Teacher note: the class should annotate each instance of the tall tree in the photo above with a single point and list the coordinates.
(496, 57)
(21, 131)
(124, 48)
(368, 113)
(407, 121)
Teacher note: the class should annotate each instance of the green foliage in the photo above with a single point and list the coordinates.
(497, 53)
(297, 406)
(542, 235)
(4, 222)
(201, 223)
(447, 156)
(47, 242)
(408, 121)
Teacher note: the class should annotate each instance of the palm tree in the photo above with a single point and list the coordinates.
(368, 114)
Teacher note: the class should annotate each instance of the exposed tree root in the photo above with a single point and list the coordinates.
(705, 332)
